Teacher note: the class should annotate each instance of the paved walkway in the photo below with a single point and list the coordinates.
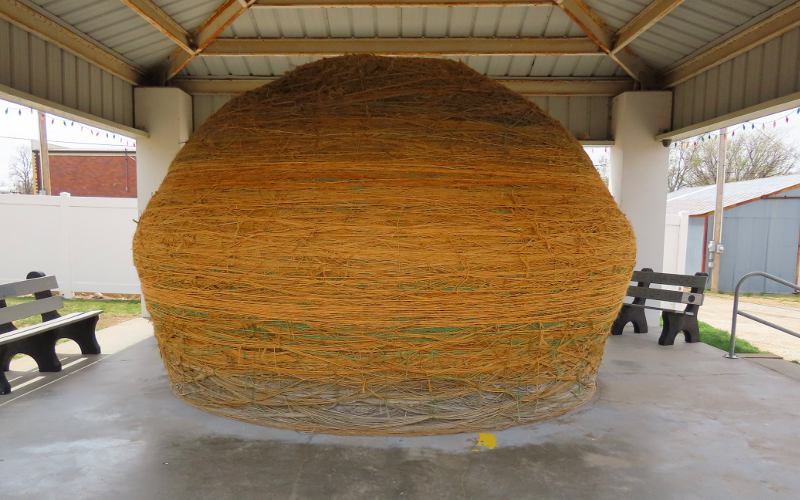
(717, 310)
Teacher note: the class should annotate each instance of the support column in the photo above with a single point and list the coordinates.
(639, 166)
(166, 114)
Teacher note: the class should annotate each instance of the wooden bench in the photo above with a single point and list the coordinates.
(674, 321)
(39, 341)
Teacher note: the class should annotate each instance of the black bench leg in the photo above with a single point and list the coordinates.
(83, 334)
(627, 315)
(5, 358)
(43, 350)
(5, 387)
(691, 329)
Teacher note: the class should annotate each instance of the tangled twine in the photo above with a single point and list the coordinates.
(379, 245)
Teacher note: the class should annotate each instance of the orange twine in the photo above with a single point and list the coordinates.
(379, 245)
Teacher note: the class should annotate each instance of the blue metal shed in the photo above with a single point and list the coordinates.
(760, 230)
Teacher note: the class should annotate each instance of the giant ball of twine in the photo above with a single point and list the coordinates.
(376, 245)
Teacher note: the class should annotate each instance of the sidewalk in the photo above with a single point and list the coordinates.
(717, 310)
(112, 339)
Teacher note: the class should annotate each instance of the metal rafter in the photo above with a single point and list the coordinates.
(526, 86)
(162, 21)
(601, 35)
(33, 20)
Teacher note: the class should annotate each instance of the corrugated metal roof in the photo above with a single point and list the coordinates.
(434, 22)
(455, 21)
(689, 28)
(120, 29)
(694, 25)
(113, 25)
(616, 13)
(701, 200)
(189, 13)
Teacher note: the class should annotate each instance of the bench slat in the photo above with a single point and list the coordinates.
(47, 325)
(27, 287)
(665, 295)
(28, 309)
(670, 279)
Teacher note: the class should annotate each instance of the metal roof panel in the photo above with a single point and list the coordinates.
(702, 199)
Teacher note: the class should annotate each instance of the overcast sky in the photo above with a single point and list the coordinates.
(18, 125)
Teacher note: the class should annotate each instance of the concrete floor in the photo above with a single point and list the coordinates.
(679, 422)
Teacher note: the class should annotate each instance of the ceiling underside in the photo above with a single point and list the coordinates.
(688, 28)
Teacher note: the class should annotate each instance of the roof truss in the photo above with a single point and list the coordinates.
(401, 46)
(526, 86)
(223, 17)
(154, 15)
(602, 36)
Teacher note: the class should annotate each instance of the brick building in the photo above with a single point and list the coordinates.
(93, 173)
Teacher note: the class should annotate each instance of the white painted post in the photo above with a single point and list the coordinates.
(166, 114)
(638, 176)
(683, 242)
(64, 274)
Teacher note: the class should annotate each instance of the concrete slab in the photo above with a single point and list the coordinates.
(676, 422)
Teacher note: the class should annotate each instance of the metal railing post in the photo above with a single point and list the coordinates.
(732, 349)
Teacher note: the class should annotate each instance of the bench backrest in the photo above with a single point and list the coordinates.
(644, 278)
(46, 303)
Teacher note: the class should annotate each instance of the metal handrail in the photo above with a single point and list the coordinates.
(736, 312)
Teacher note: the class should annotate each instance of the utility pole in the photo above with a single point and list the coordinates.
(44, 154)
(718, 212)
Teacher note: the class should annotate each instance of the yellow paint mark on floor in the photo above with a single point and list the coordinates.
(486, 441)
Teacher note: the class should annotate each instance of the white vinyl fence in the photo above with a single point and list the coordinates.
(84, 242)
(676, 232)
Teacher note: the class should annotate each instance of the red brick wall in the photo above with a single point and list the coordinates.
(113, 176)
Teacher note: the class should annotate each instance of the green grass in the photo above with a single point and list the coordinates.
(722, 339)
(113, 310)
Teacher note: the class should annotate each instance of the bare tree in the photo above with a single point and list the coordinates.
(751, 155)
(682, 162)
(22, 171)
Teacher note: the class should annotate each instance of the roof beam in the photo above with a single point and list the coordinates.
(39, 23)
(394, 3)
(644, 20)
(401, 46)
(768, 28)
(601, 35)
(56, 108)
(524, 86)
(216, 23)
(162, 21)
(734, 118)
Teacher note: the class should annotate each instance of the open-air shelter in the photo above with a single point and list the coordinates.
(630, 75)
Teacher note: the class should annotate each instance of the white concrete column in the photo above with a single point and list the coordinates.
(166, 114)
(639, 165)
